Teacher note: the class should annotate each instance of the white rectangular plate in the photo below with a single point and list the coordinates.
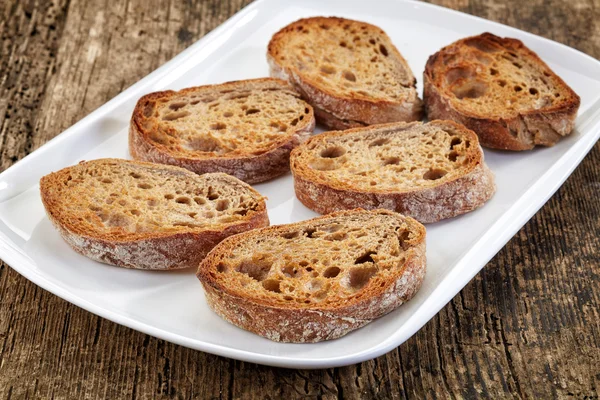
(171, 305)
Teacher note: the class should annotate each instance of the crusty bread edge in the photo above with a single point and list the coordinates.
(250, 169)
(522, 132)
(312, 325)
(448, 200)
(177, 251)
(157, 252)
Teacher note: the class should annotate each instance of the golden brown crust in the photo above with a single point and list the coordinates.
(298, 323)
(151, 249)
(344, 109)
(251, 167)
(472, 186)
(517, 128)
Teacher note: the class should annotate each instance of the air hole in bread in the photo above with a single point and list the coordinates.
(470, 90)
(367, 257)
(343, 44)
(290, 235)
(349, 75)
(457, 73)
(290, 271)
(310, 232)
(255, 269)
(383, 50)
(533, 91)
(122, 203)
(324, 27)
(556, 94)
(359, 277)
(135, 175)
(106, 180)
(228, 114)
(199, 200)
(327, 69)
(403, 238)
(218, 126)
(453, 156)
(372, 41)
(501, 82)
(331, 272)
(212, 195)
(183, 200)
(175, 115)
(518, 88)
(252, 111)
(434, 174)
(379, 142)
(333, 152)
(169, 196)
(493, 71)
(176, 106)
(222, 205)
(192, 214)
(136, 212)
(148, 109)
(272, 285)
(516, 64)
(294, 122)
(221, 267)
(144, 185)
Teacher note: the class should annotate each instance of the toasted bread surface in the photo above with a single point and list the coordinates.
(244, 128)
(428, 171)
(500, 89)
(349, 70)
(318, 279)
(149, 216)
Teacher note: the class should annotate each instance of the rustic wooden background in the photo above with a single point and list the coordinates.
(526, 326)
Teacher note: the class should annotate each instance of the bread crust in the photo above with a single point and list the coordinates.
(250, 168)
(524, 130)
(315, 324)
(151, 251)
(352, 108)
(461, 195)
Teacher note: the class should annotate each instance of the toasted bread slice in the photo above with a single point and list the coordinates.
(501, 90)
(148, 216)
(244, 128)
(427, 171)
(349, 71)
(318, 279)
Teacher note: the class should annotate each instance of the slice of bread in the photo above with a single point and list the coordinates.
(428, 171)
(147, 216)
(501, 90)
(349, 71)
(318, 279)
(244, 128)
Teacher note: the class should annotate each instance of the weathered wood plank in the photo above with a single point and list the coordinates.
(526, 326)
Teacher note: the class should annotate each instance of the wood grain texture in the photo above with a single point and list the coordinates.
(527, 326)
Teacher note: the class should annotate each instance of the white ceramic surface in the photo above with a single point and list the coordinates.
(171, 305)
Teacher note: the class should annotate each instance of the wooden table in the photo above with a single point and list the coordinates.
(526, 326)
